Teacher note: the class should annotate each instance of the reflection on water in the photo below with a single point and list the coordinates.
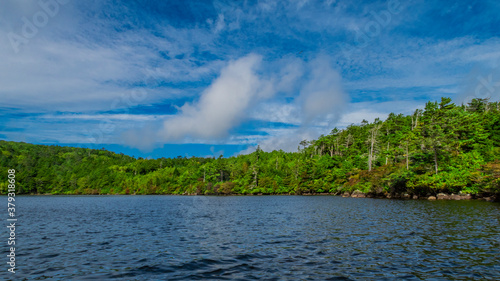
(255, 237)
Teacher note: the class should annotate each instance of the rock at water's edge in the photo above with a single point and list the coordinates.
(358, 194)
(442, 196)
(466, 196)
(490, 199)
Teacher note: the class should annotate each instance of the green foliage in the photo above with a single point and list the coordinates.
(443, 148)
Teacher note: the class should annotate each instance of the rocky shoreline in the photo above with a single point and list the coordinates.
(489, 197)
(439, 196)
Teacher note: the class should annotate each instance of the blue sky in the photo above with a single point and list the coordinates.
(205, 78)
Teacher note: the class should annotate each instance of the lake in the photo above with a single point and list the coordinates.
(253, 238)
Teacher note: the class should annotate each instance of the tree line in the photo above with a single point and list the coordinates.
(442, 148)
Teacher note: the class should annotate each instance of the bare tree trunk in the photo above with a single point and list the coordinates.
(387, 156)
(337, 147)
(370, 154)
(435, 160)
(369, 159)
(255, 177)
(204, 172)
(414, 125)
(349, 137)
(407, 157)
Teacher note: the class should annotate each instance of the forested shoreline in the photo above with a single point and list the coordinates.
(444, 148)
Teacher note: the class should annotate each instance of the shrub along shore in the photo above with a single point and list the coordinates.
(443, 151)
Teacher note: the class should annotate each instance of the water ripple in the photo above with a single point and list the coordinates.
(255, 238)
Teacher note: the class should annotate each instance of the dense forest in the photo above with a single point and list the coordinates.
(442, 148)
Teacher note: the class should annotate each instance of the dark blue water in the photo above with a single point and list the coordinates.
(254, 238)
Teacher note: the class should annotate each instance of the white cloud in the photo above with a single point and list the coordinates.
(320, 98)
(219, 24)
(319, 105)
(239, 94)
(322, 95)
(277, 112)
(222, 106)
